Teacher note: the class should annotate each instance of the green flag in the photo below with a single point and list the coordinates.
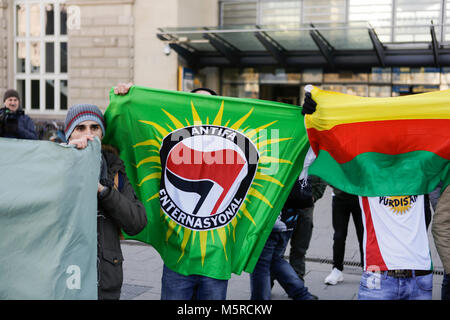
(48, 220)
(213, 173)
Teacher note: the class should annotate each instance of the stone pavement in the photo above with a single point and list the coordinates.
(143, 266)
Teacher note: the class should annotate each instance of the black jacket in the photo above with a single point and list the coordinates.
(303, 195)
(16, 125)
(118, 208)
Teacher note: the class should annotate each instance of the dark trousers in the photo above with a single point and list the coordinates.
(445, 293)
(300, 240)
(342, 208)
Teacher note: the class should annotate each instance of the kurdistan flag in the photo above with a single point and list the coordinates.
(381, 146)
(213, 173)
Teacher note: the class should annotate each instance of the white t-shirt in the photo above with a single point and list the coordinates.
(395, 235)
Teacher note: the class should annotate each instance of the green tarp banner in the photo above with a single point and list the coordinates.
(213, 173)
(48, 220)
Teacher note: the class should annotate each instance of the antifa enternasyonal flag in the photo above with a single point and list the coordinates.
(213, 173)
(381, 146)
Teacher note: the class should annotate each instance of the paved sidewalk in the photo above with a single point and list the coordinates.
(143, 266)
(143, 270)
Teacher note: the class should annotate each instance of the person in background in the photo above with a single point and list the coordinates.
(271, 264)
(14, 123)
(204, 91)
(434, 196)
(301, 236)
(344, 205)
(441, 235)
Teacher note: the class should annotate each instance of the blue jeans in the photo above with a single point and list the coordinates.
(175, 286)
(272, 262)
(375, 286)
(445, 291)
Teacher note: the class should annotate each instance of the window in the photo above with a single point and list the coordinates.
(270, 12)
(280, 12)
(377, 12)
(446, 22)
(40, 54)
(380, 91)
(239, 13)
(324, 11)
(393, 20)
(412, 18)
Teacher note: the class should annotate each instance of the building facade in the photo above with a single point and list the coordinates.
(4, 32)
(60, 52)
(396, 23)
(57, 53)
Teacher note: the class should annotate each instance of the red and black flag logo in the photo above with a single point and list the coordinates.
(207, 171)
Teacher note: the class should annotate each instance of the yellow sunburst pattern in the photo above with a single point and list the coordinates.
(398, 204)
(262, 145)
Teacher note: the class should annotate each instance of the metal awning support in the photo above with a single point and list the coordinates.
(190, 57)
(324, 47)
(275, 49)
(306, 46)
(378, 46)
(231, 54)
(435, 46)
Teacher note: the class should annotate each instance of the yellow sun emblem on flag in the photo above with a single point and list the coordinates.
(399, 204)
(260, 140)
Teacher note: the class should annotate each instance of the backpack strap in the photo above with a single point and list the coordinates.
(118, 181)
(118, 185)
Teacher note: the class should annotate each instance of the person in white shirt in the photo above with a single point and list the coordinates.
(397, 261)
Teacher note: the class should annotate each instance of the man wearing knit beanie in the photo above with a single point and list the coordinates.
(81, 113)
(13, 104)
(13, 121)
(118, 207)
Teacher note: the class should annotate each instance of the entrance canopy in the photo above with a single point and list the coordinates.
(332, 46)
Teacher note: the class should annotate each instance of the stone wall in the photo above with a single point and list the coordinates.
(153, 68)
(116, 42)
(101, 49)
(3, 47)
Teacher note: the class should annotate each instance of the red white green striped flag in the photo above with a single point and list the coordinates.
(381, 146)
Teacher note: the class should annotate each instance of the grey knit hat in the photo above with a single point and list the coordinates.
(82, 112)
